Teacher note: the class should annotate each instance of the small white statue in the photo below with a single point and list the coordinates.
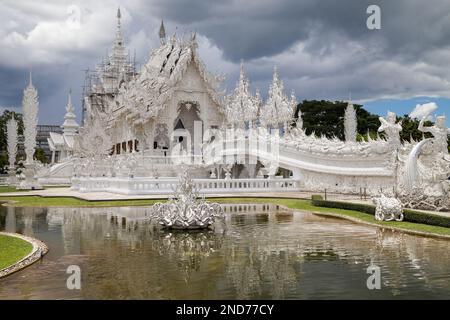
(391, 128)
(388, 209)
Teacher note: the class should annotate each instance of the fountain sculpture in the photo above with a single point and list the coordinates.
(185, 210)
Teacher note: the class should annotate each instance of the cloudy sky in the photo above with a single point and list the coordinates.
(323, 48)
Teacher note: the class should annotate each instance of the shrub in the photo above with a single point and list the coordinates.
(409, 215)
(319, 202)
(426, 218)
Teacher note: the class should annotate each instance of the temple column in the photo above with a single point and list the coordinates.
(53, 156)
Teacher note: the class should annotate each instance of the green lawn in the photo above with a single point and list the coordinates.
(8, 189)
(299, 204)
(36, 201)
(4, 189)
(12, 249)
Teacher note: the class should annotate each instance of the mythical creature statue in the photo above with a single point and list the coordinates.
(425, 180)
(388, 209)
(439, 132)
(391, 128)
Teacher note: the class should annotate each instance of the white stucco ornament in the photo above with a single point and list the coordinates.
(388, 209)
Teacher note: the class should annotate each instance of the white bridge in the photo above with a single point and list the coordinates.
(350, 168)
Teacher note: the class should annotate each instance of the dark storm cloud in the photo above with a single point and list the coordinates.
(322, 47)
(253, 29)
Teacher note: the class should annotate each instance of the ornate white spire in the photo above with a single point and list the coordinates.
(278, 108)
(119, 37)
(242, 106)
(11, 128)
(70, 125)
(162, 33)
(350, 123)
(30, 105)
(118, 56)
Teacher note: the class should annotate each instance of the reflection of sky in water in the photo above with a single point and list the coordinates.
(261, 253)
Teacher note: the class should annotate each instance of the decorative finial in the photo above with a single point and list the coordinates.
(119, 15)
(242, 73)
(275, 72)
(162, 33)
(69, 107)
(31, 78)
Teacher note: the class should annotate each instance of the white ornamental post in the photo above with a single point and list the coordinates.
(30, 105)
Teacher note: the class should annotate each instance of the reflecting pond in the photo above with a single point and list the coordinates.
(262, 252)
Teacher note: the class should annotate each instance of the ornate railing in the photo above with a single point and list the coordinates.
(167, 185)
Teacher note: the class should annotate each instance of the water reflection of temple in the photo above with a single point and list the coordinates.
(262, 254)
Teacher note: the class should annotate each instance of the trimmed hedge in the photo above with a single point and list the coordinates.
(426, 218)
(409, 215)
(319, 202)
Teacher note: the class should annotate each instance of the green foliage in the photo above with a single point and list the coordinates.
(410, 129)
(343, 205)
(3, 162)
(327, 118)
(426, 218)
(7, 115)
(39, 155)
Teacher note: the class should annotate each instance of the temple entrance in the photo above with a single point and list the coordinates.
(184, 124)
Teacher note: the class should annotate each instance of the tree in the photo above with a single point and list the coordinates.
(327, 118)
(410, 129)
(7, 115)
(39, 155)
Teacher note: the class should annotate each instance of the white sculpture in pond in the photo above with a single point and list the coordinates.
(388, 209)
(184, 210)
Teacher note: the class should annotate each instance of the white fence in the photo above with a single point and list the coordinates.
(3, 179)
(142, 186)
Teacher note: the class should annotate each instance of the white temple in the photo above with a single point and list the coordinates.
(61, 145)
(138, 128)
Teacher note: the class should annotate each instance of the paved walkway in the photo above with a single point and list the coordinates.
(108, 196)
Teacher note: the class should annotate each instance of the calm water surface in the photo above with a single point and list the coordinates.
(264, 252)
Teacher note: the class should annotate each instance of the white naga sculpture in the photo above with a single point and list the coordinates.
(388, 209)
(11, 128)
(427, 168)
(30, 105)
